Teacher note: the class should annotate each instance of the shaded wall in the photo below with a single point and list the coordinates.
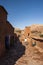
(3, 18)
(5, 29)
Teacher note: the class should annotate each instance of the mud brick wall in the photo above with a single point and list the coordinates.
(27, 31)
(3, 18)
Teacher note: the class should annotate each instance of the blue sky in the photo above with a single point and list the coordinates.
(23, 13)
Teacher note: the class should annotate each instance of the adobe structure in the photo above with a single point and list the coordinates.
(34, 35)
(27, 31)
(6, 31)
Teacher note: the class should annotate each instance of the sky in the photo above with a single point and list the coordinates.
(23, 13)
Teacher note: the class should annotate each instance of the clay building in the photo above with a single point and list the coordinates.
(27, 31)
(6, 30)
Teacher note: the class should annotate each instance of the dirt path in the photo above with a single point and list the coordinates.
(32, 57)
(22, 54)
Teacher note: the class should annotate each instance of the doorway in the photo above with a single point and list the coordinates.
(7, 43)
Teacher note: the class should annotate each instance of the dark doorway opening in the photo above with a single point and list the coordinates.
(7, 44)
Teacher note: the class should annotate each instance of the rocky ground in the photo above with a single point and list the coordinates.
(22, 54)
(32, 56)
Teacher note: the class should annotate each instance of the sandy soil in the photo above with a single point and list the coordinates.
(32, 56)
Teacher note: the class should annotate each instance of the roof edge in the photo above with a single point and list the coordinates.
(3, 9)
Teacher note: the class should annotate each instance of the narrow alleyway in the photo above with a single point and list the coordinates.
(22, 54)
(32, 56)
(13, 54)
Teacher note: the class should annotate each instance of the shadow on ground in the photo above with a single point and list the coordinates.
(13, 54)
